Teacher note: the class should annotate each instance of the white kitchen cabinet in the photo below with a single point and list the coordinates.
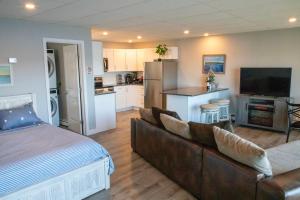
(120, 59)
(140, 59)
(134, 59)
(105, 112)
(150, 55)
(121, 97)
(172, 53)
(131, 63)
(129, 96)
(109, 54)
(97, 51)
(139, 96)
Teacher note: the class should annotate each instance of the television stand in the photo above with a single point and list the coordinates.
(262, 112)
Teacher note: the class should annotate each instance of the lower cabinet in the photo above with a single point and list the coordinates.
(105, 112)
(129, 96)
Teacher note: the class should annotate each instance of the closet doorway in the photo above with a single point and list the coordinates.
(65, 82)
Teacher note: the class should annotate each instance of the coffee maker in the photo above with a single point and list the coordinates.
(129, 78)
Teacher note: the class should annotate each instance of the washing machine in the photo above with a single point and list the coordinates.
(54, 107)
(51, 68)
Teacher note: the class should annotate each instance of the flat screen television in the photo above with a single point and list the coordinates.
(274, 82)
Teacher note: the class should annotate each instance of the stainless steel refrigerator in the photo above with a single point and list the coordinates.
(159, 76)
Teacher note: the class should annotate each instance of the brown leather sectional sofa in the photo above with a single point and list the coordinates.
(206, 173)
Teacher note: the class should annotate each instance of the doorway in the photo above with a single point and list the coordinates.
(65, 84)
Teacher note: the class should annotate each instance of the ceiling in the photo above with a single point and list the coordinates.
(158, 19)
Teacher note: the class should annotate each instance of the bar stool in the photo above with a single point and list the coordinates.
(223, 105)
(209, 113)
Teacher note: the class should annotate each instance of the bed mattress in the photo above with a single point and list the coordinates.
(34, 154)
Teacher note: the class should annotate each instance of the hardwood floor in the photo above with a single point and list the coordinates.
(134, 178)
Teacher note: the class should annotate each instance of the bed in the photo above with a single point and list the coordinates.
(43, 162)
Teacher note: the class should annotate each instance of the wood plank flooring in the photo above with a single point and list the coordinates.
(136, 179)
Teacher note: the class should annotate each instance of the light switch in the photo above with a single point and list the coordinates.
(12, 60)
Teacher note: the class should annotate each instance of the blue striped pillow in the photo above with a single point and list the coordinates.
(18, 117)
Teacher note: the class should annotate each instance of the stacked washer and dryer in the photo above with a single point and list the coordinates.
(53, 87)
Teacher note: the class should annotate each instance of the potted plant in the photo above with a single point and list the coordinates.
(161, 50)
(211, 78)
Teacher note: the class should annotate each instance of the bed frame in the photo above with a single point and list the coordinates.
(75, 185)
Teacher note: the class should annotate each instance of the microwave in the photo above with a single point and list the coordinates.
(105, 64)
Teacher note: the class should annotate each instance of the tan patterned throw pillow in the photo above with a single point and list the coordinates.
(242, 150)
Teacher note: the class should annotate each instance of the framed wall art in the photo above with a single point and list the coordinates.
(6, 75)
(214, 62)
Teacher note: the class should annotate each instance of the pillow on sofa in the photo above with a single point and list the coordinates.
(242, 150)
(146, 114)
(203, 133)
(176, 126)
(156, 114)
(18, 117)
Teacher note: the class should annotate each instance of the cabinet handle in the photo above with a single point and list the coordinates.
(246, 107)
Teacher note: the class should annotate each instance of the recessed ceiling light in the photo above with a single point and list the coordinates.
(30, 6)
(139, 37)
(292, 19)
(104, 33)
(186, 32)
(129, 41)
(205, 34)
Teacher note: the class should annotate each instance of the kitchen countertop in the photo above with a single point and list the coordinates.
(122, 84)
(104, 92)
(192, 91)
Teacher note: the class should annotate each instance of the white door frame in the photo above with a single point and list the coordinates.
(82, 74)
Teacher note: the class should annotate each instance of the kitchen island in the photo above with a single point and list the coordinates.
(186, 101)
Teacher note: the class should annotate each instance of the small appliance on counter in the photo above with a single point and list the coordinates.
(119, 79)
(128, 78)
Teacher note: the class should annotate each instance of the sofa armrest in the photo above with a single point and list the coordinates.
(224, 178)
(133, 133)
(283, 186)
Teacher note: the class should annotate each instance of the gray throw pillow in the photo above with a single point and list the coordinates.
(18, 117)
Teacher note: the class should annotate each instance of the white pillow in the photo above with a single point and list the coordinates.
(242, 150)
(176, 126)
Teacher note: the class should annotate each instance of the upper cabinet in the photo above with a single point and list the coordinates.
(98, 68)
(172, 53)
(140, 59)
(150, 55)
(131, 60)
(118, 60)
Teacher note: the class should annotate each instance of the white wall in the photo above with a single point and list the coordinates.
(24, 40)
(276, 48)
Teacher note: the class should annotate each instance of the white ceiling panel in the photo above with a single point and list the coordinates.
(15, 8)
(83, 8)
(158, 19)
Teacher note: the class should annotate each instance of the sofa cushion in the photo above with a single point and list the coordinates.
(156, 114)
(176, 126)
(242, 150)
(285, 157)
(146, 114)
(203, 133)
